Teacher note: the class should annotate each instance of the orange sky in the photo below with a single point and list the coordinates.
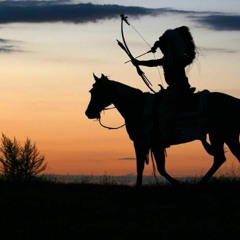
(44, 90)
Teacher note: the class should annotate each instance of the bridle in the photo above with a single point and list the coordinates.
(110, 128)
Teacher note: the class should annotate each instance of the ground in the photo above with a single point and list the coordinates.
(111, 211)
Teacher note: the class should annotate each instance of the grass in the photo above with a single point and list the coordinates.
(53, 210)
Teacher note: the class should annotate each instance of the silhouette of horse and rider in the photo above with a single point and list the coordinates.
(174, 115)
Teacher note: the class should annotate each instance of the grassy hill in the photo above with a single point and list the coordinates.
(53, 210)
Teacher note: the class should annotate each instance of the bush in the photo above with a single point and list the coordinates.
(20, 163)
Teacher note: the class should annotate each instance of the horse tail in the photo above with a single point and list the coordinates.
(154, 166)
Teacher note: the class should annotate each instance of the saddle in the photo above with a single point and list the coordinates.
(177, 121)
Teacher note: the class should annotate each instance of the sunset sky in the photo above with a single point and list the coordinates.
(50, 49)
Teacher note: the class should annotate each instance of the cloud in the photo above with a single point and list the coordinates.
(67, 11)
(54, 11)
(127, 158)
(220, 50)
(220, 22)
(7, 46)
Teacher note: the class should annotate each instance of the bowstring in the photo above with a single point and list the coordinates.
(154, 55)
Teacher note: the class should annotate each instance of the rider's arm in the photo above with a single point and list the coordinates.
(149, 63)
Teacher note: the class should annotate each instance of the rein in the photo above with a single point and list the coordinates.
(110, 128)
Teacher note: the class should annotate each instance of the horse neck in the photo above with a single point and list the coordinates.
(125, 98)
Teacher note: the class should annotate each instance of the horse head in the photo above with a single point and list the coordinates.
(100, 97)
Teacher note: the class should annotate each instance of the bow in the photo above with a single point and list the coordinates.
(126, 49)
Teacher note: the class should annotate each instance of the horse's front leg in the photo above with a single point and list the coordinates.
(141, 151)
(159, 155)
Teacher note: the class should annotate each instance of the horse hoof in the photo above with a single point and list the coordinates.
(175, 182)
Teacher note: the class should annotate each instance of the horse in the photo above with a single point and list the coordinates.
(221, 115)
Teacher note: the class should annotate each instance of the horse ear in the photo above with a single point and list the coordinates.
(95, 77)
(104, 77)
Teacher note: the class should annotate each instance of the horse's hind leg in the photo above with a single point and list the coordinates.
(218, 160)
(234, 145)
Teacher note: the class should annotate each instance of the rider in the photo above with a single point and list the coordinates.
(178, 49)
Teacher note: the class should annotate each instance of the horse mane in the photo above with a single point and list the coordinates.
(127, 88)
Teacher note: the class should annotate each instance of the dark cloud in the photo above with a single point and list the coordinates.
(8, 46)
(42, 11)
(7, 49)
(65, 11)
(220, 22)
(3, 40)
(220, 50)
(127, 158)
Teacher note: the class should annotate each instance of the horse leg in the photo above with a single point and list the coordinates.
(207, 146)
(141, 151)
(234, 145)
(218, 159)
(159, 155)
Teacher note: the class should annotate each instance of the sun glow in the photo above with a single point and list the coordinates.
(47, 75)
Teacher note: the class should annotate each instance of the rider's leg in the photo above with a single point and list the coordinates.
(165, 112)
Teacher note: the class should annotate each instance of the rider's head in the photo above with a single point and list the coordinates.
(178, 44)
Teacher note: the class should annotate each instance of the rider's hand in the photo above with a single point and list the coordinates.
(155, 46)
(153, 49)
(134, 61)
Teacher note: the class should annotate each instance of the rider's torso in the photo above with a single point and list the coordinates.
(175, 76)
